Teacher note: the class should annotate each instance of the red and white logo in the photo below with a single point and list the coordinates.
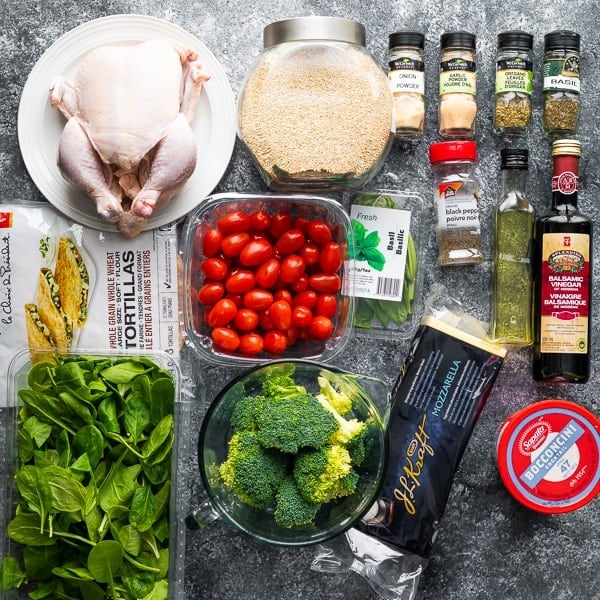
(534, 437)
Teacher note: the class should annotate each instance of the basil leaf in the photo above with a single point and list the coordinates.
(143, 509)
(68, 495)
(33, 486)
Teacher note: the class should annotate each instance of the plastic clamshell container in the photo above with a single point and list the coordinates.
(548, 456)
(181, 453)
(390, 313)
(206, 216)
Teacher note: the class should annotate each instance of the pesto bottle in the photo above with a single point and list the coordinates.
(513, 233)
(563, 277)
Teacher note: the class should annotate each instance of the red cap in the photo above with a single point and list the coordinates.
(453, 150)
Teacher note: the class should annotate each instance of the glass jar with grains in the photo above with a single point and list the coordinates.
(561, 83)
(406, 77)
(315, 112)
(456, 196)
(458, 85)
(514, 83)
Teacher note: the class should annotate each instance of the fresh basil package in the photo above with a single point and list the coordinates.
(94, 495)
(386, 274)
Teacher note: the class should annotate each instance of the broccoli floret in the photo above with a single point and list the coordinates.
(251, 472)
(332, 389)
(325, 474)
(289, 424)
(292, 510)
(243, 415)
(347, 429)
(278, 382)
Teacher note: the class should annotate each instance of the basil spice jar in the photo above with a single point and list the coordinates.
(514, 83)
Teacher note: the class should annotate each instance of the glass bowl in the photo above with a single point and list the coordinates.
(370, 399)
(298, 344)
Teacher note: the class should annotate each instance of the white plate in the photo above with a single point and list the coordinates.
(40, 126)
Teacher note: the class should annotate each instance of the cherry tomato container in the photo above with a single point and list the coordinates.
(548, 456)
(267, 276)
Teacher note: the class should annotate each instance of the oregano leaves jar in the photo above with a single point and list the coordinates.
(561, 83)
(514, 83)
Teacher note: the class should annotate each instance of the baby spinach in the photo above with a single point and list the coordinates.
(95, 438)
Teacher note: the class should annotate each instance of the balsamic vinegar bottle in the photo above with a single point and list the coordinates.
(562, 277)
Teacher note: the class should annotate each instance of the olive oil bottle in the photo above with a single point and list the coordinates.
(562, 276)
(512, 288)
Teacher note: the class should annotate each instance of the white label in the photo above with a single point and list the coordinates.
(407, 81)
(457, 208)
(562, 82)
(381, 247)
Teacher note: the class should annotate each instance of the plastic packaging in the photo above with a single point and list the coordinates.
(446, 378)
(387, 280)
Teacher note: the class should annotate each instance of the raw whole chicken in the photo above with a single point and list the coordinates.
(128, 141)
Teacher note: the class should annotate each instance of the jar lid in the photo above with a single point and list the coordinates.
(407, 38)
(562, 39)
(314, 28)
(520, 40)
(452, 150)
(514, 158)
(548, 455)
(566, 147)
(461, 39)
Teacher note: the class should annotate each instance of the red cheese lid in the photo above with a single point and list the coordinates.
(548, 456)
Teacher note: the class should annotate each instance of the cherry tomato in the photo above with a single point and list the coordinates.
(265, 321)
(214, 268)
(307, 298)
(281, 221)
(301, 284)
(225, 338)
(256, 252)
(260, 220)
(300, 222)
(235, 298)
(292, 267)
(283, 294)
(310, 253)
(290, 241)
(280, 313)
(326, 305)
(258, 299)
(222, 312)
(301, 316)
(319, 232)
(330, 259)
(320, 328)
(233, 243)
(292, 334)
(251, 343)
(234, 222)
(267, 273)
(327, 283)
(240, 281)
(245, 319)
(275, 342)
(210, 292)
(211, 242)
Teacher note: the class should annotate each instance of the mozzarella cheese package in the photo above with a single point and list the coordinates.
(64, 286)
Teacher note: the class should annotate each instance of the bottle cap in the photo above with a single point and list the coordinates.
(519, 40)
(460, 39)
(562, 39)
(514, 158)
(314, 28)
(566, 147)
(407, 38)
(452, 150)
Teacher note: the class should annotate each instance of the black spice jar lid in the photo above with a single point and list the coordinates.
(562, 39)
(514, 158)
(461, 39)
(407, 38)
(520, 40)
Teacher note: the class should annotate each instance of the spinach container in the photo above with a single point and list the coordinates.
(386, 271)
(93, 505)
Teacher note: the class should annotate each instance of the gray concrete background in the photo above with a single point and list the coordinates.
(488, 547)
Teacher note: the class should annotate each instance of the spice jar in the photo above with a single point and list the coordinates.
(561, 83)
(406, 77)
(456, 195)
(458, 104)
(315, 112)
(514, 83)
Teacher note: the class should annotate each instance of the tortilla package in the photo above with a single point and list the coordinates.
(64, 286)
(444, 383)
